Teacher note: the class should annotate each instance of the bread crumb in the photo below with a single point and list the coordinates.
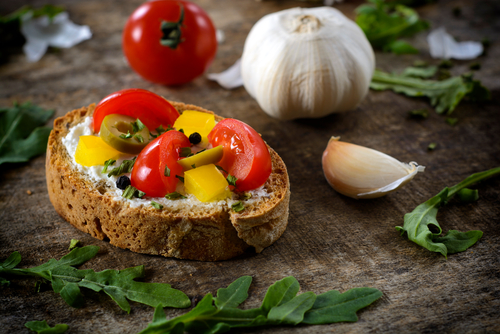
(29, 192)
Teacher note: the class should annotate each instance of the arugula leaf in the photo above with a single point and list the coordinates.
(332, 306)
(21, 134)
(445, 95)
(118, 284)
(281, 306)
(417, 224)
(384, 23)
(41, 327)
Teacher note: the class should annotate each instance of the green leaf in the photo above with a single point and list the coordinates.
(418, 224)
(74, 243)
(12, 261)
(292, 312)
(280, 293)
(332, 306)
(466, 195)
(385, 23)
(444, 95)
(420, 72)
(21, 136)
(41, 327)
(235, 294)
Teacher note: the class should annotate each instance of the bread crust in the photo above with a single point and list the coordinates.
(209, 235)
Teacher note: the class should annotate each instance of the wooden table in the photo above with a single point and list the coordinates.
(332, 242)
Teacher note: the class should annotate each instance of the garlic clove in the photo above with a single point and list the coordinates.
(361, 172)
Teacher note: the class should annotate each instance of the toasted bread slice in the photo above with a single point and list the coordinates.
(201, 232)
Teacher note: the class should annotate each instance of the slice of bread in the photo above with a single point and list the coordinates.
(203, 232)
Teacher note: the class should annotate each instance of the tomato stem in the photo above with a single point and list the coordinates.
(172, 32)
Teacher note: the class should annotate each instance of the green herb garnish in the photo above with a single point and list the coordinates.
(125, 167)
(184, 152)
(21, 133)
(107, 163)
(444, 95)
(41, 327)
(126, 136)
(180, 178)
(157, 206)
(431, 146)
(193, 166)
(231, 179)
(417, 224)
(384, 23)
(167, 171)
(118, 284)
(139, 138)
(174, 195)
(281, 306)
(140, 194)
(137, 126)
(238, 206)
(129, 192)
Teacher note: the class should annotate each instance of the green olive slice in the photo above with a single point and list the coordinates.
(118, 132)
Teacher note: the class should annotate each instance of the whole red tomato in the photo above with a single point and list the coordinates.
(153, 110)
(245, 153)
(170, 42)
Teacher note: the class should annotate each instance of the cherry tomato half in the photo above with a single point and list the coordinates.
(169, 42)
(149, 168)
(153, 110)
(245, 154)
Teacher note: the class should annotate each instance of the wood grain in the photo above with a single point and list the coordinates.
(332, 242)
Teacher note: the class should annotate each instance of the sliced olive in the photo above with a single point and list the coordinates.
(124, 133)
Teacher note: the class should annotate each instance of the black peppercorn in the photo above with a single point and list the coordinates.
(123, 182)
(195, 138)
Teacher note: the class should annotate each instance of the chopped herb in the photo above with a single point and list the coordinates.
(385, 23)
(281, 306)
(231, 180)
(137, 126)
(420, 113)
(167, 171)
(139, 138)
(444, 95)
(174, 195)
(126, 136)
(181, 130)
(431, 146)
(140, 194)
(74, 243)
(129, 192)
(247, 196)
(125, 167)
(238, 206)
(193, 165)
(180, 178)
(417, 224)
(184, 152)
(120, 285)
(107, 163)
(451, 120)
(157, 206)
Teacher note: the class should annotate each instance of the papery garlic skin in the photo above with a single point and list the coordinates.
(307, 63)
(361, 172)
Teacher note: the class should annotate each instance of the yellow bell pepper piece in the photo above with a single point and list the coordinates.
(206, 183)
(210, 156)
(92, 150)
(191, 121)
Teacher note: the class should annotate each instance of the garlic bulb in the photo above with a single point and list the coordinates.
(307, 63)
(360, 172)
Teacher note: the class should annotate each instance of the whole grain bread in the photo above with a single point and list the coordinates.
(200, 234)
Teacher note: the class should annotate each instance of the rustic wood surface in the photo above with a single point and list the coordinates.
(332, 242)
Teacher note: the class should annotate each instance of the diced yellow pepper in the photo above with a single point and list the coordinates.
(210, 156)
(92, 150)
(191, 121)
(206, 183)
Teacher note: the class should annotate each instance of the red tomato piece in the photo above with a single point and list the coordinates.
(169, 42)
(245, 153)
(153, 110)
(169, 155)
(149, 168)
